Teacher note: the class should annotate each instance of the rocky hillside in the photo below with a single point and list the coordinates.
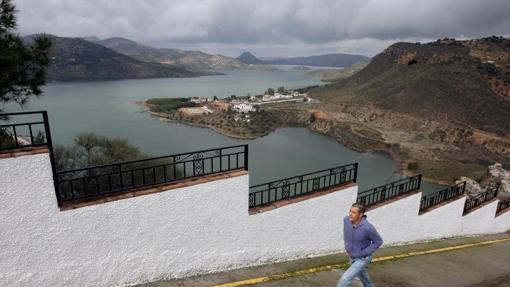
(192, 60)
(461, 82)
(77, 59)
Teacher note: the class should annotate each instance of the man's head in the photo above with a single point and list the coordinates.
(356, 212)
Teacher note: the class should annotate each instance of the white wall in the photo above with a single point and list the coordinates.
(181, 232)
(399, 222)
(187, 231)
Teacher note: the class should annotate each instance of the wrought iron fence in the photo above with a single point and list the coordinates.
(479, 199)
(303, 184)
(32, 131)
(503, 205)
(91, 182)
(388, 191)
(443, 195)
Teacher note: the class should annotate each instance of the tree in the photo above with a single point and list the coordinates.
(282, 90)
(22, 66)
(270, 91)
(90, 149)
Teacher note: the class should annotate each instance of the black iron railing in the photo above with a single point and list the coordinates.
(389, 191)
(479, 199)
(26, 130)
(303, 184)
(32, 131)
(91, 182)
(503, 205)
(443, 195)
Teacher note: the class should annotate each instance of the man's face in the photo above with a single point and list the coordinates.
(354, 214)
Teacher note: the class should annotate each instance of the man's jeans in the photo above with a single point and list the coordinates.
(358, 268)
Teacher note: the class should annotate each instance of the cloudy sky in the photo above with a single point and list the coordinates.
(268, 27)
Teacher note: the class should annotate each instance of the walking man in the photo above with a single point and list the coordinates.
(361, 240)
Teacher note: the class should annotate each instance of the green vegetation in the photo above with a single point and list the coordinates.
(90, 149)
(412, 166)
(22, 66)
(169, 104)
(231, 123)
(282, 90)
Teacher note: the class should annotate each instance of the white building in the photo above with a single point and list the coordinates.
(244, 107)
(278, 96)
(199, 100)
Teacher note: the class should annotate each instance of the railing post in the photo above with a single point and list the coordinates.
(355, 172)
(246, 157)
(52, 156)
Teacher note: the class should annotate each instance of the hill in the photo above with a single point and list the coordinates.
(249, 58)
(192, 60)
(135, 50)
(464, 82)
(77, 59)
(327, 60)
(440, 108)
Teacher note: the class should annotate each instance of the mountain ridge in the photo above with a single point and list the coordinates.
(324, 60)
(193, 60)
(74, 59)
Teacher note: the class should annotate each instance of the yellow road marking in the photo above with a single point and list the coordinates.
(303, 272)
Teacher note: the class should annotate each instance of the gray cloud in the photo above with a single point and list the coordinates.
(268, 26)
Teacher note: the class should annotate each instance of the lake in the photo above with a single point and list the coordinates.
(107, 108)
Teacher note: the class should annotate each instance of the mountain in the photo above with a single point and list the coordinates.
(193, 60)
(77, 59)
(136, 50)
(249, 58)
(327, 60)
(463, 82)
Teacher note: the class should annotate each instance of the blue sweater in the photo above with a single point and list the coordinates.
(362, 240)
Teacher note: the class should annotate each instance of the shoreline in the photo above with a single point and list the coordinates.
(162, 116)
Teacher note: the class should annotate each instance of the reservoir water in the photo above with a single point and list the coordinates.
(107, 108)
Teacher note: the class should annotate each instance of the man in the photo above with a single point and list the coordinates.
(361, 240)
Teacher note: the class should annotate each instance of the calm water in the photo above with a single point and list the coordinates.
(108, 108)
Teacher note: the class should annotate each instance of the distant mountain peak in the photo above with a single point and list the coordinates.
(91, 38)
(249, 58)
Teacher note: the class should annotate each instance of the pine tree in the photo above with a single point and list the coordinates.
(22, 65)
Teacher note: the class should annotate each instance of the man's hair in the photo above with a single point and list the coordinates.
(361, 208)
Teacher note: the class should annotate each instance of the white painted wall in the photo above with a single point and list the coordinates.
(177, 233)
(186, 231)
(399, 222)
